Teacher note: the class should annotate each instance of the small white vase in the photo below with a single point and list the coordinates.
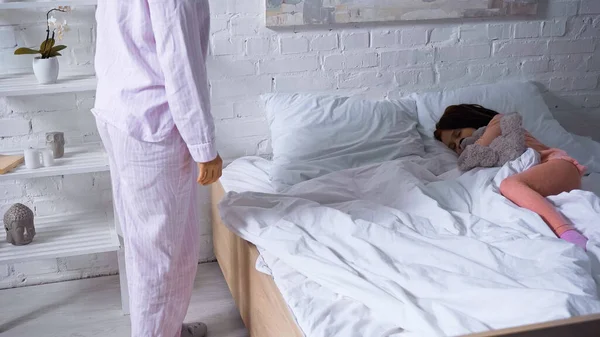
(45, 70)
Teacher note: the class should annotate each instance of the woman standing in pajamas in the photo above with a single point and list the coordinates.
(153, 114)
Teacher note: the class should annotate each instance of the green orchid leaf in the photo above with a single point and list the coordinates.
(53, 54)
(58, 48)
(26, 51)
(46, 46)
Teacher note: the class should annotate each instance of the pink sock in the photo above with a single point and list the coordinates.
(575, 238)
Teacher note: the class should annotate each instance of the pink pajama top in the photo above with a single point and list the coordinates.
(150, 65)
(493, 130)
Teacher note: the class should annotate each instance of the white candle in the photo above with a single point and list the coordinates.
(48, 157)
(32, 158)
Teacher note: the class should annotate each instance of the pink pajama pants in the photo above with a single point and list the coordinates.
(155, 199)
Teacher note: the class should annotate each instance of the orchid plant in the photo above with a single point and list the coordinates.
(48, 48)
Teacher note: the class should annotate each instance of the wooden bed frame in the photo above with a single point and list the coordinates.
(266, 314)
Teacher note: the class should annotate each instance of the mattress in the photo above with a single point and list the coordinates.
(319, 311)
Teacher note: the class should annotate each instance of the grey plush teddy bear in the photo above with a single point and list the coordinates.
(507, 147)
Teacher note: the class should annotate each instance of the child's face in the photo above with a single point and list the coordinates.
(452, 138)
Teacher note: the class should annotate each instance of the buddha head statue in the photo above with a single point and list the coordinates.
(18, 222)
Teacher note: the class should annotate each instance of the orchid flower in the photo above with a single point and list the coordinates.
(48, 48)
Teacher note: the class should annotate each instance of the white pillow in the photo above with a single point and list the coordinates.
(523, 97)
(313, 135)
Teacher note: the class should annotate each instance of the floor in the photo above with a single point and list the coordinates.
(86, 308)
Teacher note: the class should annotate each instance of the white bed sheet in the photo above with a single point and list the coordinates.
(319, 311)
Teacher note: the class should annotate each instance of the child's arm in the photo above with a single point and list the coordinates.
(492, 131)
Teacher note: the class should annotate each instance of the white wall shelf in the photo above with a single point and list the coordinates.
(45, 3)
(26, 84)
(63, 236)
(77, 159)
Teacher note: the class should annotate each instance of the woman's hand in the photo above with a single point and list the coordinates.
(210, 172)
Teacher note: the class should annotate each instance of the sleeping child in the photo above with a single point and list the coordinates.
(473, 128)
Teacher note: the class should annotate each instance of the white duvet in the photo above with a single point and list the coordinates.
(426, 256)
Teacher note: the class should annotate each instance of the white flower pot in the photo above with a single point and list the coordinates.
(45, 70)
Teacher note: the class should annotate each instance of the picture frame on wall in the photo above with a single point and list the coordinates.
(281, 13)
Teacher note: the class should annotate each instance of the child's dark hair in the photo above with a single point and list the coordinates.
(463, 116)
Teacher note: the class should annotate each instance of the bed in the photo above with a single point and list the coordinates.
(259, 300)
(307, 279)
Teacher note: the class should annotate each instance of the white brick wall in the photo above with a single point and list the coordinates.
(385, 38)
(294, 45)
(414, 37)
(355, 40)
(463, 52)
(559, 49)
(324, 42)
(527, 30)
